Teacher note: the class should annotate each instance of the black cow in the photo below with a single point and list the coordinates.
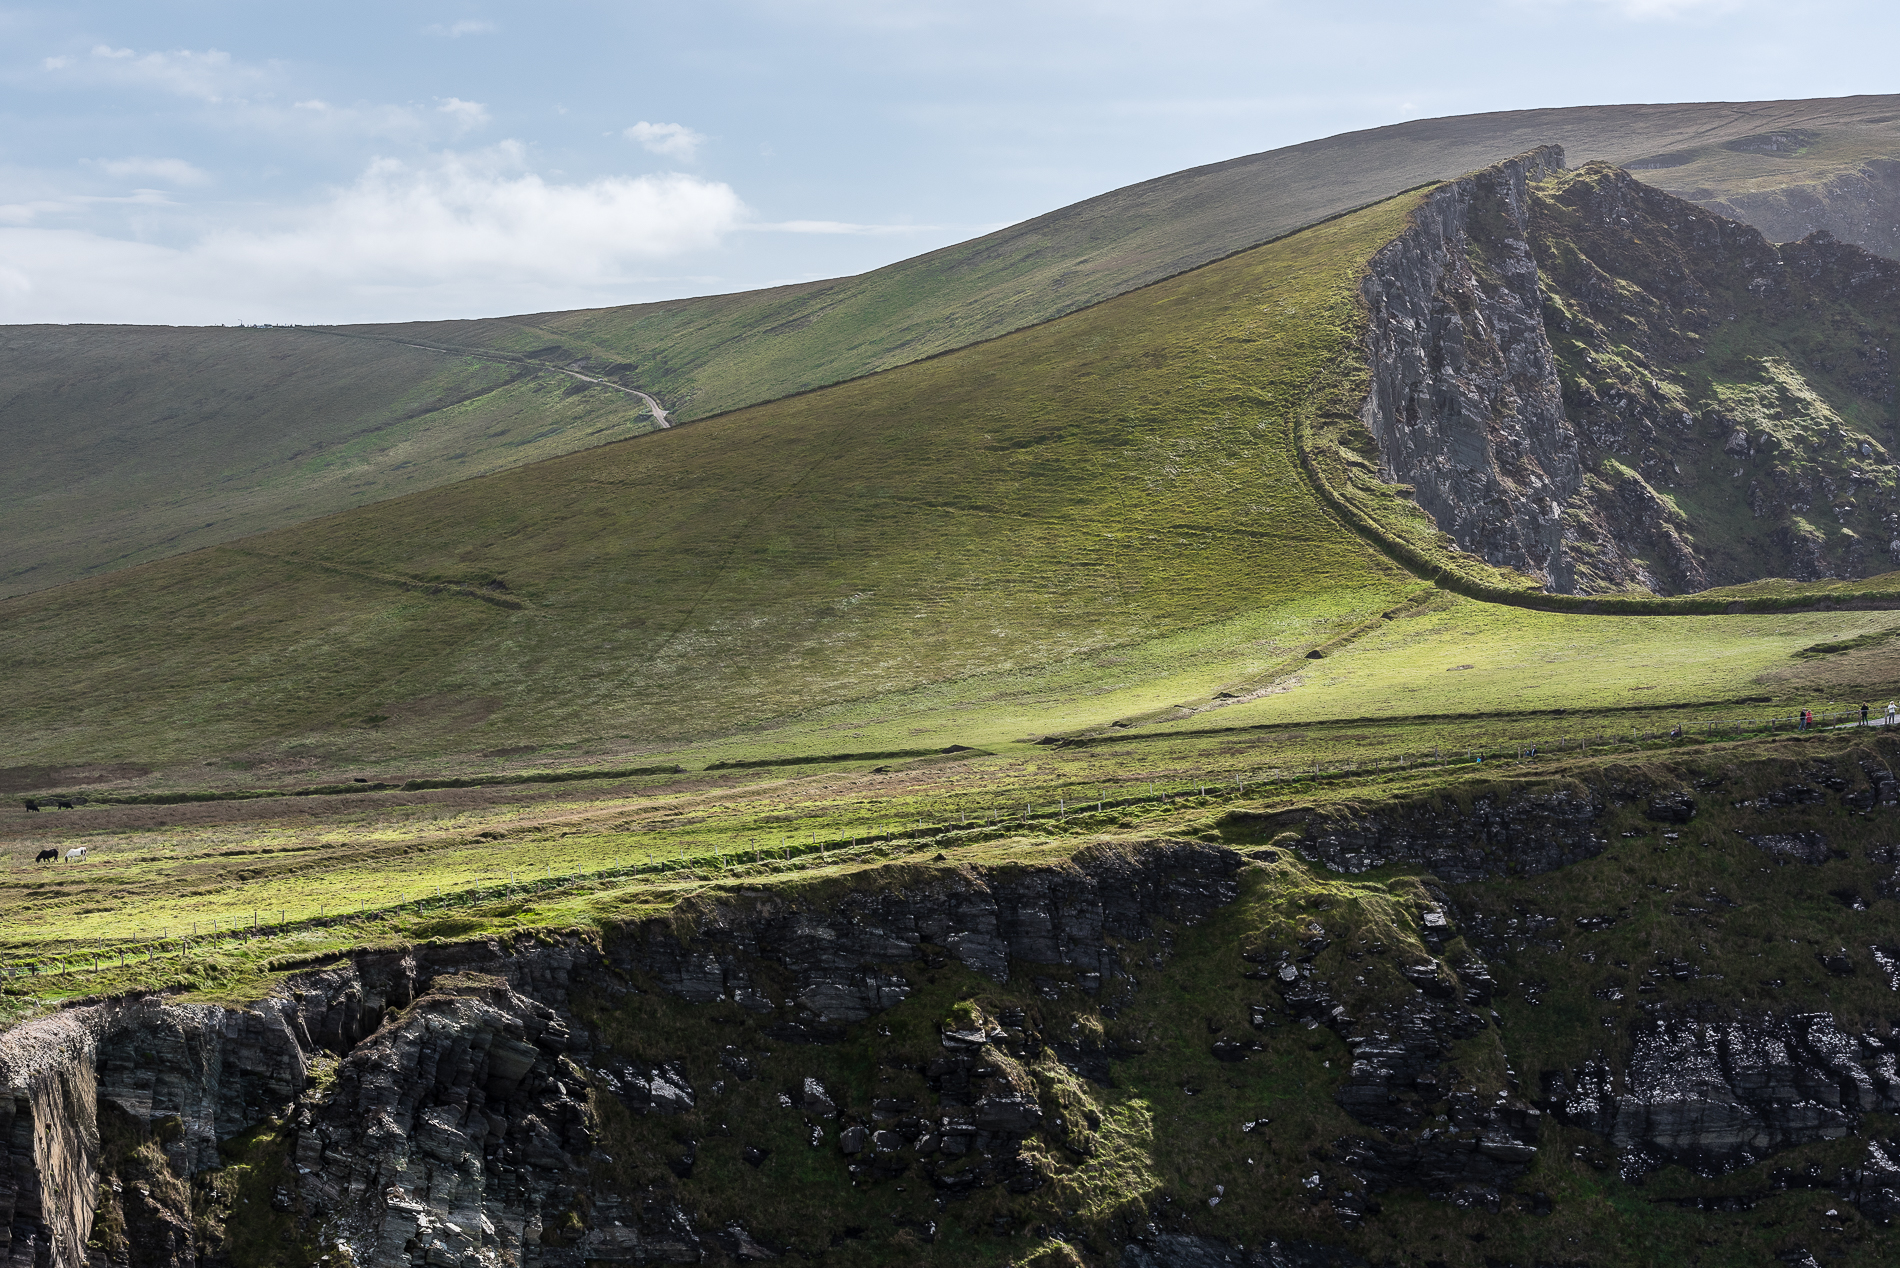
(30, 804)
(46, 856)
(64, 803)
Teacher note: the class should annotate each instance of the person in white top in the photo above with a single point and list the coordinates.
(1891, 711)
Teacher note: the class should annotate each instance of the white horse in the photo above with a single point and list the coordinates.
(76, 854)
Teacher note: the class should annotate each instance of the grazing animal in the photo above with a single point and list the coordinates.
(46, 856)
(76, 854)
(30, 804)
(64, 803)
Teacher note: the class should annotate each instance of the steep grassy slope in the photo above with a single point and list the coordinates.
(717, 353)
(1100, 520)
(1117, 477)
(130, 443)
(73, 391)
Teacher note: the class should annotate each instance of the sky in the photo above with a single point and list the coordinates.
(211, 162)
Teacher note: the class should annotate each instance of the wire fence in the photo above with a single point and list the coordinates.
(968, 821)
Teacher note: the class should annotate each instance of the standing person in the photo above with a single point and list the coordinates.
(1891, 711)
(1863, 714)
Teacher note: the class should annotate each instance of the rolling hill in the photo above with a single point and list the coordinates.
(1112, 479)
(1139, 512)
(101, 475)
(1114, 835)
(129, 443)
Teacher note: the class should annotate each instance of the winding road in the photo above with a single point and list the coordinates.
(659, 415)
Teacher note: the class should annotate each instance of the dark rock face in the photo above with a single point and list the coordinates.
(457, 1130)
(1465, 400)
(1180, 1250)
(1717, 1095)
(1523, 338)
(1670, 807)
(1533, 833)
(845, 961)
(1398, 1053)
(461, 1126)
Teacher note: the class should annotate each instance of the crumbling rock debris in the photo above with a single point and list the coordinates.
(1181, 1250)
(1671, 807)
(1795, 847)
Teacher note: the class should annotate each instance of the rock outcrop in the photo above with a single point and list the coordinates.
(1716, 1095)
(1465, 400)
(1495, 836)
(454, 1125)
(556, 1102)
(1537, 342)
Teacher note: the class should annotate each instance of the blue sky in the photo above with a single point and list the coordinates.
(217, 162)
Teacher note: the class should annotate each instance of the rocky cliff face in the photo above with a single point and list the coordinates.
(885, 1071)
(457, 1118)
(1858, 204)
(1607, 387)
(1465, 401)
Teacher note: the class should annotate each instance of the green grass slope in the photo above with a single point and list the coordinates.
(716, 353)
(131, 443)
(1021, 508)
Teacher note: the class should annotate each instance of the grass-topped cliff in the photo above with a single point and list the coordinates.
(1601, 1006)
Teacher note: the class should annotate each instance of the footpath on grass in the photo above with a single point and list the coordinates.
(1083, 805)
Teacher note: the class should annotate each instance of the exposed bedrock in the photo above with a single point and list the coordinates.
(452, 1122)
(844, 959)
(1465, 399)
(1860, 205)
(1537, 831)
(1543, 376)
(1179, 1250)
(448, 1105)
(1716, 1095)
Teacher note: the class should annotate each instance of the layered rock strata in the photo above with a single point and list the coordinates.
(455, 1126)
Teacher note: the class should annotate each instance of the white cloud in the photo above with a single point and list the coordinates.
(456, 30)
(674, 140)
(168, 171)
(451, 119)
(30, 210)
(211, 76)
(454, 235)
(466, 114)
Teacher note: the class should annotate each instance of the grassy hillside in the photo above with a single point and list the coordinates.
(130, 443)
(717, 353)
(1095, 484)
(161, 440)
(1097, 521)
